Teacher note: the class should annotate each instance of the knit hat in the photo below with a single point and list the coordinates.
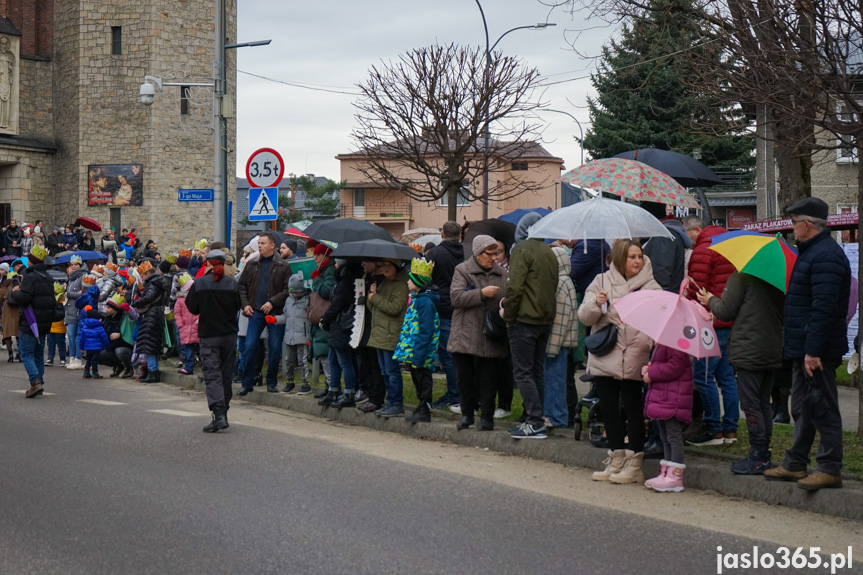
(291, 244)
(93, 312)
(183, 262)
(421, 271)
(323, 250)
(76, 260)
(4, 267)
(481, 243)
(37, 254)
(165, 267)
(295, 283)
(116, 301)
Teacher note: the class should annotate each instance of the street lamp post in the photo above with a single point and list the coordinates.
(488, 50)
(580, 131)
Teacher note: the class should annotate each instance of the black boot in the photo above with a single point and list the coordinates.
(220, 421)
(346, 400)
(780, 405)
(128, 373)
(152, 377)
(464, 422)
(329, 398)
(322, 394)
(421, 413)
(116, 371)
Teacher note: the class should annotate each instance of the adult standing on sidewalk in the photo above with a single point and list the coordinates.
(529, 309)
(755, 351)
(263, 288)
(215, 298)
(36, 292)
(74, 289)
(446, 256)
(815, 339)
(711, 271)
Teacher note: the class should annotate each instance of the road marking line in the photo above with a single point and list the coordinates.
(25, 391)
(101, 402)
(175, 412)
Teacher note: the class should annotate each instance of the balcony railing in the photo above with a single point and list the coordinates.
(375, 211)
(734, 179)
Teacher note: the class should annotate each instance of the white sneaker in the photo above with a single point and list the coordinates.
(75, 364)
(71, 363)
(62, 363)
(500, 413)
(455, 408)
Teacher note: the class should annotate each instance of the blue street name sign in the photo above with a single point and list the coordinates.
(186, 195)
(263, 204)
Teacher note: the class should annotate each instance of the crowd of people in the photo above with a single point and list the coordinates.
(492, 317)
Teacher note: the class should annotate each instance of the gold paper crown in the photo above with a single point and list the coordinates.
(97, 271)
(422, 267)
(39, 253)
(171, 258)
(145, 267)
(184, 279)
(58, 288)
(117, 300)
(76, 260)
(88, 280)
(111, 268)
(187, 253)
(201, 244)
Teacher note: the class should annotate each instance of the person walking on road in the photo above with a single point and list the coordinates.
(815, 339)
(218, 297)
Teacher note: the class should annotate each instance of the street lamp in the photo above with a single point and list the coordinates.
(580, 131)
(488, 50)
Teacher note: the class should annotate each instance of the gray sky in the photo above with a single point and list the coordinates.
(333, 44)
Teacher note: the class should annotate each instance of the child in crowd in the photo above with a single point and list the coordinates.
(93, 341)
(187, 325)
(296, 335)
(669, 401)
(418, 340)
(57, 336)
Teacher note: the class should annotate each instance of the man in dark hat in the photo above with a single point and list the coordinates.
(217, 296)
(815, 340)
(288, 249)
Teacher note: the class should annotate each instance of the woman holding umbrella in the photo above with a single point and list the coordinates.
(618, 372)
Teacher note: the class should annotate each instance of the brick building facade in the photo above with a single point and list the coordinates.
(77, 66)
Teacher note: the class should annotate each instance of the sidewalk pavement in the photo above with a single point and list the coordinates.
(702, 472)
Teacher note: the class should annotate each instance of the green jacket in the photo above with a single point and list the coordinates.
(756, 308)
(388, 307)
(531, 284)
(323, 285)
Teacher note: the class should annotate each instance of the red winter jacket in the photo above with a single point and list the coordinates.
(709, 268)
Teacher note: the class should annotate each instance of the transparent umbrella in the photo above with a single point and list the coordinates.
(599, 219)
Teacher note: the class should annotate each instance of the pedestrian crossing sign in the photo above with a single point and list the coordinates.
(263, 204)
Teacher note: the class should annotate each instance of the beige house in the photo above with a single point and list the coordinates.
(398, 213)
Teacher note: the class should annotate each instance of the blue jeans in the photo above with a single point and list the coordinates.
(554, 407)
(187, 352)
(275, 335)
(342, 362)
(72, 332)
(56, 341)
(392, 377)
(447, 366)
(704, 372)
(152, 361)
(32, 351)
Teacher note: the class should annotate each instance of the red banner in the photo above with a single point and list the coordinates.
(835, 221)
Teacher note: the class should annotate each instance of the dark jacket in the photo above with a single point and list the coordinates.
(587, 265)
(52, 243)
(277, 290)
(112, 325)
(151, 322)
(14, 235)
(93, 336)
(37, 290)
(531, 284)
(338, 320)
(817, 300)
(446, 256)
(669, 255)
(324, 280)
(220, 302)
(709, 268)
(195, 263)
(755, 307)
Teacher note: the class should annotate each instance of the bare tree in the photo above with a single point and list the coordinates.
(421, 118)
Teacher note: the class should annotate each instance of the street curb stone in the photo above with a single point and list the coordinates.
(701, 472)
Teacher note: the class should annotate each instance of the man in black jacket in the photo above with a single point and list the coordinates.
(217, 296)
(446, 256)
(14, 235)
(815, 339)
(35, 293)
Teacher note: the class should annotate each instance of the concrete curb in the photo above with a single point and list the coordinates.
(701, 472)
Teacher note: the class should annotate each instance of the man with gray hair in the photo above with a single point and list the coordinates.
(815, 340)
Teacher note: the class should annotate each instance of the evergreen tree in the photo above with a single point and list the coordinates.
(321, 200)
(644, 99)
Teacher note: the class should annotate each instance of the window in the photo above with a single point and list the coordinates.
(359, 198)
(519, 166)
(116, 40)
(184, 100)
(462, 199)
(846, 151)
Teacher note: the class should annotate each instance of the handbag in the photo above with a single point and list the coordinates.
(317, 307)
(494, 327)
(602, 341)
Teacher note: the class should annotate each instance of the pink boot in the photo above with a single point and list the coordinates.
(673, 479)
(663, 465)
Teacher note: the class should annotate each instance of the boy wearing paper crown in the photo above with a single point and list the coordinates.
(418, 341)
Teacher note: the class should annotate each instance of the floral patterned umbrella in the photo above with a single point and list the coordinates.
(630, 179)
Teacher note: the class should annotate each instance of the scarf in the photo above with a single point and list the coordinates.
(317, 272)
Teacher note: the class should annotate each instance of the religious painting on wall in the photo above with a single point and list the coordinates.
(115, 185)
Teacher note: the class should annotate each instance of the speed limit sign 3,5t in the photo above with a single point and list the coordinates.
(265, 169)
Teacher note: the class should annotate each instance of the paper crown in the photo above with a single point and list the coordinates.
(145, 267)
(116, 301)
(186, 253)
(171, 258)
(421, 270)
(88, 280)
(183, 279)
(201, 244)
(58, 288)
(76, 260)
(98, 271)
(111, 268)
(39, 253)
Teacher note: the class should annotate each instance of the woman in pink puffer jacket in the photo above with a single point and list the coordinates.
(187, 325)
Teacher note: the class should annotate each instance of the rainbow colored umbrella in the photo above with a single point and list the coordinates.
(765, 257)
(630, 179)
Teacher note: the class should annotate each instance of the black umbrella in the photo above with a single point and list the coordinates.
(343, 230)
(686, 170)
(498, 229)
(376, 249)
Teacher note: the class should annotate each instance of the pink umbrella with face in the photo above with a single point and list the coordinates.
(670, 319)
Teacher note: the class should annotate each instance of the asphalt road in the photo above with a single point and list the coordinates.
(117, 477)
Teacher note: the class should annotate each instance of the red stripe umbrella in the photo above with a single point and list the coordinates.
(294, 232)
(88, 223)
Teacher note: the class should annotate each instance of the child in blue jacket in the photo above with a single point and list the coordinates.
(93, 341)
